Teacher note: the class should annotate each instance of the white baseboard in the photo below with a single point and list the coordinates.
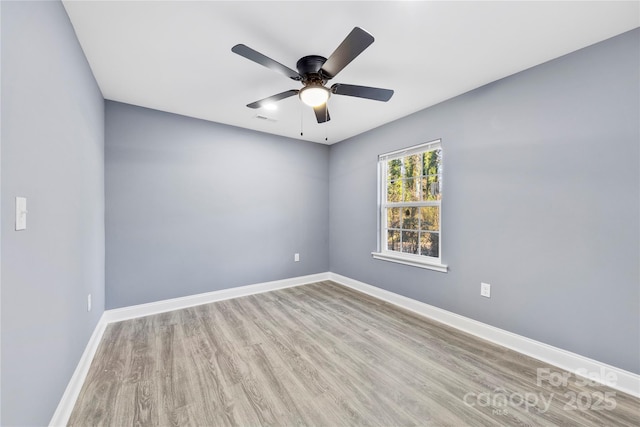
(148, 309)
(68, 400)
(625, 381)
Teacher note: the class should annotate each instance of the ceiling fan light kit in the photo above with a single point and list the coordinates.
(314, 95)
(315, 71)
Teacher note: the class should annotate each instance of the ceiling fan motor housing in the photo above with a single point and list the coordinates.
(309, 68)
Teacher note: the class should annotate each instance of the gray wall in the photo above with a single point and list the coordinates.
(542, 202)
(195, 206)
(52, 154)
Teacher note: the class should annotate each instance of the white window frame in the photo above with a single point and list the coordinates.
(382, 253)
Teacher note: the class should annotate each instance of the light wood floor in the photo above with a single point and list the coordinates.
(323, 355)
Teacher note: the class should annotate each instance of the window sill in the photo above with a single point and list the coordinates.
(414, 262)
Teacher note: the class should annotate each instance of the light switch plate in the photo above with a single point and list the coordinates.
(21, 213)
(485, 290)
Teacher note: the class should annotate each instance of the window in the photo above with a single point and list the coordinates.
(410, 183)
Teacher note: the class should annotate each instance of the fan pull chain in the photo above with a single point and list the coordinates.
(301, 130)
(326, 128)
(326, 121)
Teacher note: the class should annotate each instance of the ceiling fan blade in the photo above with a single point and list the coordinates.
(261, 59)
(374, 93)
(322, 113)
(353, 45)
(273, 98)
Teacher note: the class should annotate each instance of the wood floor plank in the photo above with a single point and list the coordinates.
(323, 355)
(397, 373)
(510, 367)
(343, 365)
(506, 365)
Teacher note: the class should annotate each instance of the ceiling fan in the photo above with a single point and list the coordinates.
(315, 71)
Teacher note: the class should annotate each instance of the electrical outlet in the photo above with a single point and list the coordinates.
(485, 290)
(89, 302)
(296, 257)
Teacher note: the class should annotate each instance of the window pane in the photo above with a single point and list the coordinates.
(431, 186)
(410, 242)
(394, 169)
(394, 191)
(430, 218)
(430, 244)
(411, 189)
(432, 163)
(393, 217)
(412, 166)
(410, 218)
(393, 240)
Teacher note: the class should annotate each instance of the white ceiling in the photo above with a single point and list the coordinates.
(176, 56)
